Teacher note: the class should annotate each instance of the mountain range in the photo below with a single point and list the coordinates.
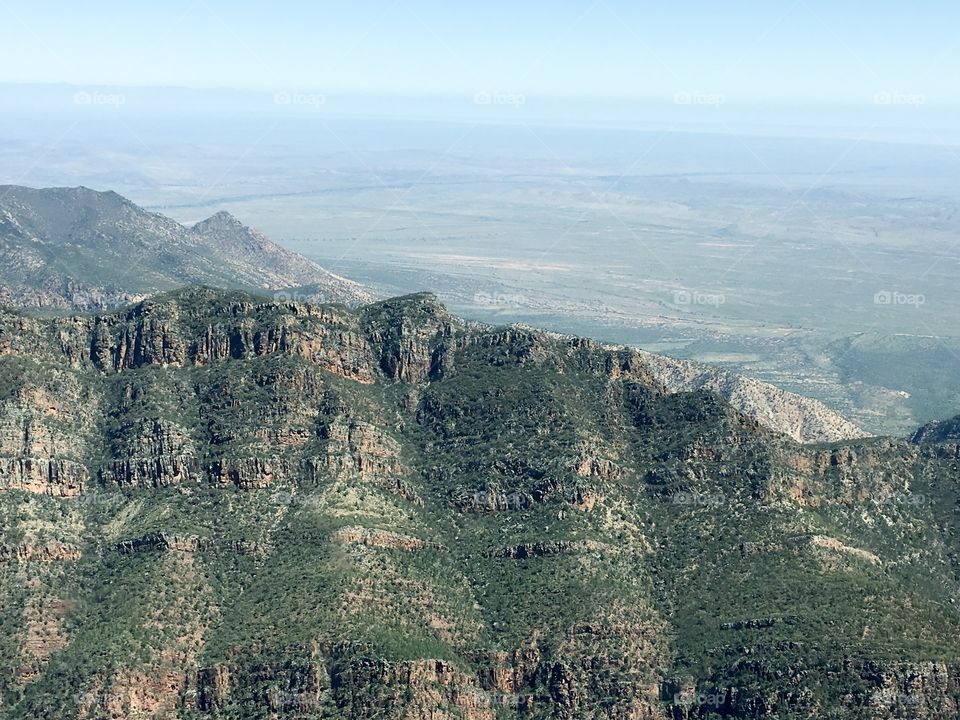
(76, 248)
(216, 505)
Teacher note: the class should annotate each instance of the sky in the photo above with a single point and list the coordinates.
(807, 51)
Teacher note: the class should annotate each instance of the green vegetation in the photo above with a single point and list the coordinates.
(388, 514)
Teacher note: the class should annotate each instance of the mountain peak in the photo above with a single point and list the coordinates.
(221, 219)
(80, 240)
(79, 196)
(82, 192)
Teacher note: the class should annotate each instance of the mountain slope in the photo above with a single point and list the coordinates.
(803, 419)
(942, 431)
(218, 507)
(78, 248)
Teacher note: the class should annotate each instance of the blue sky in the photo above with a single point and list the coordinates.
(810, 50)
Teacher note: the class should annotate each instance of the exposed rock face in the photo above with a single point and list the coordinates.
(803, 419)
(413, 333)
(162, 541)
(542, 549)
(422, 688)
(48, 552)
(381, 539)
(848, 474)
(212, 506)
(81, 249)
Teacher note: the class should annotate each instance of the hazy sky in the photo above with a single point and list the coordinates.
(822, 50)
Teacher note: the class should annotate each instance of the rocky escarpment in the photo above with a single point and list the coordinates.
(216, 506)
(850, 474)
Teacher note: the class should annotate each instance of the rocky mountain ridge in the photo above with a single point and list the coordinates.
(804, 419)
(76, 248)
(215, 506)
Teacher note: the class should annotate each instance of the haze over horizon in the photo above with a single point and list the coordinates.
(801, 64)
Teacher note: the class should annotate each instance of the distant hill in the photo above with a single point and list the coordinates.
(83, 249)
